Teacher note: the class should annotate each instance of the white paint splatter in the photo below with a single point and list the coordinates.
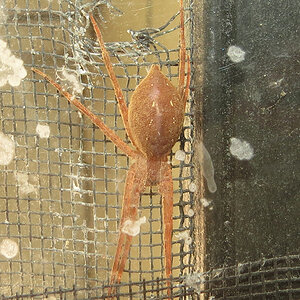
(241, 149)
(192, 187)
(12, 70)
(190, 212)
(207, 167)
(7, 149)
(9, 248)
(76, 187)
(184, 235)
(25, 187)
(133, 228)
(205, 202)
(195, 280)
(236, 54)
(180, 155)
(188, 241)
(71, 81)
(43, 131)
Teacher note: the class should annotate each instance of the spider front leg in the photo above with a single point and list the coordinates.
(107, 131)
(109, 67)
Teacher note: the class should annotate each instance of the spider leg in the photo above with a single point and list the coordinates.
(182, 52)
(113, 78)
(166, 190)
(107, 131)
(134, 186)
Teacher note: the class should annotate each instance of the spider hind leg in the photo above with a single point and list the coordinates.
(134, 186)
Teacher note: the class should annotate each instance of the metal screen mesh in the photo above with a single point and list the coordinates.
(276, 278)
(60, 197)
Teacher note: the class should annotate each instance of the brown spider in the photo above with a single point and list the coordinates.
(153, 123)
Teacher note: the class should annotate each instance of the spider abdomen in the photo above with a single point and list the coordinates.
(155, 115)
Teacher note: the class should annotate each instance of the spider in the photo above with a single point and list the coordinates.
(153, 122)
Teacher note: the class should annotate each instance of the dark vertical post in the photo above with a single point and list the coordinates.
(247, 89)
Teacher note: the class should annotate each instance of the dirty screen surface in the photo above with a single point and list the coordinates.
(61, 180)
(61, 187)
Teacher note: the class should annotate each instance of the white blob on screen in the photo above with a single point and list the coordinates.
(7, 149)
(192, 187)
(207, 167)
(205, 202)
(12, 70)
(133, 228)
(180, 155)
(43, 131)
(241, 149)
(184, 236)
(70, 81)
(25, 187)
(236, 54)
(195, 280)
(9, 248)
(190, 212)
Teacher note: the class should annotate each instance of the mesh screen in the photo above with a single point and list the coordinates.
(60, 197)
(276, 278)
(61, 194)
